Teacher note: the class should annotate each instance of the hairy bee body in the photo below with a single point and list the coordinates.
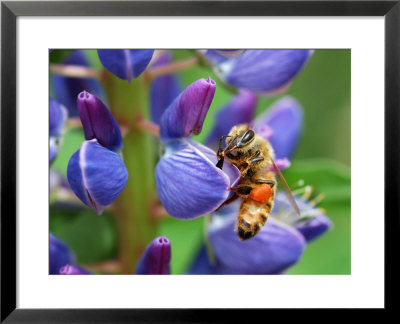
(253, 156)
(254, 214)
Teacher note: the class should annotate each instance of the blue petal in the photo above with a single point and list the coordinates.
(163, 90)
(285, 118)
(312, 223)
(239, 110)
(188, 182)
(73, 270)
(264, 71)
(125, 64)
(315, 227)
(57, 118)
(275, 248)
(96, 175)
(59, 254)
(186, 114)
(156, 257)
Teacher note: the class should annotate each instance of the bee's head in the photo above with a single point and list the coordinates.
(239, 137)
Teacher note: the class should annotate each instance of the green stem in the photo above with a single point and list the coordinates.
(129, 102)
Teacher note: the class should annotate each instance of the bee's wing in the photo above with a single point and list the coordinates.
(287, 189)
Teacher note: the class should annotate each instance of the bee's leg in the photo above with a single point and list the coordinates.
(255, 160)
(263, 181)
(221, 152)
(242, 190)
(227, 202)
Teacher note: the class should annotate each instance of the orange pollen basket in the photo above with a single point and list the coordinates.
(261, 193)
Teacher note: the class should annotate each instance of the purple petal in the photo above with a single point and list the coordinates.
(186, 114)
(281, 164)
(312, 222)
(58, 115)
(96, 175)
(231, 53)
(188, 182)
(163, 91)
(239, 110)
(285, 118)
(275, 248)
(59, 255)
(125, 64)
(67, 89)
(263, 71)
(73, 270)
(156, 257)
(315, 227)
(98, 122)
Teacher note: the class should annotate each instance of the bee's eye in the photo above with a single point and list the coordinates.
(247, 137)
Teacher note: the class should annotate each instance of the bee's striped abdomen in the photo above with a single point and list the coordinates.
(252, 216)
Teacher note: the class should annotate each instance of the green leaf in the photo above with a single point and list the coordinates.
(91, 237)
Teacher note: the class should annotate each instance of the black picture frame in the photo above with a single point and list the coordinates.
(10, 10)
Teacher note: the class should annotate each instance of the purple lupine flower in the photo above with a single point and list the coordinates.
(163, 91)
(231, 53)
(125, 64)
(186, 114)
(59, 255)
(283, 240)
(97, 175)
(66, 89)
(312, 223)
(283, 121)
(264, 71)
(70, 269)
(98, 122)
(155, 259)
(239, 110)
(188, 182)
(58, 115)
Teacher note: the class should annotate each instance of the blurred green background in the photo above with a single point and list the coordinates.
(322, 160)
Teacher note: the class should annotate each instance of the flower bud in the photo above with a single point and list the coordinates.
(66, 89)
(239, 110)
(98, 122)
(164, 89)
(156, 257)
(188, 182)
(185, 116)
(96, 175)
(59, 255)
(285, 118)
(125, 64)
(73, 270)
(264, 71)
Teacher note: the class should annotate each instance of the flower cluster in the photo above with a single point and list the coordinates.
(188, 183)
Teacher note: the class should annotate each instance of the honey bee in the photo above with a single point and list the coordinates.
(253, 155)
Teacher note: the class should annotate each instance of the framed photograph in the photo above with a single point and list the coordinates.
(176, 155)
